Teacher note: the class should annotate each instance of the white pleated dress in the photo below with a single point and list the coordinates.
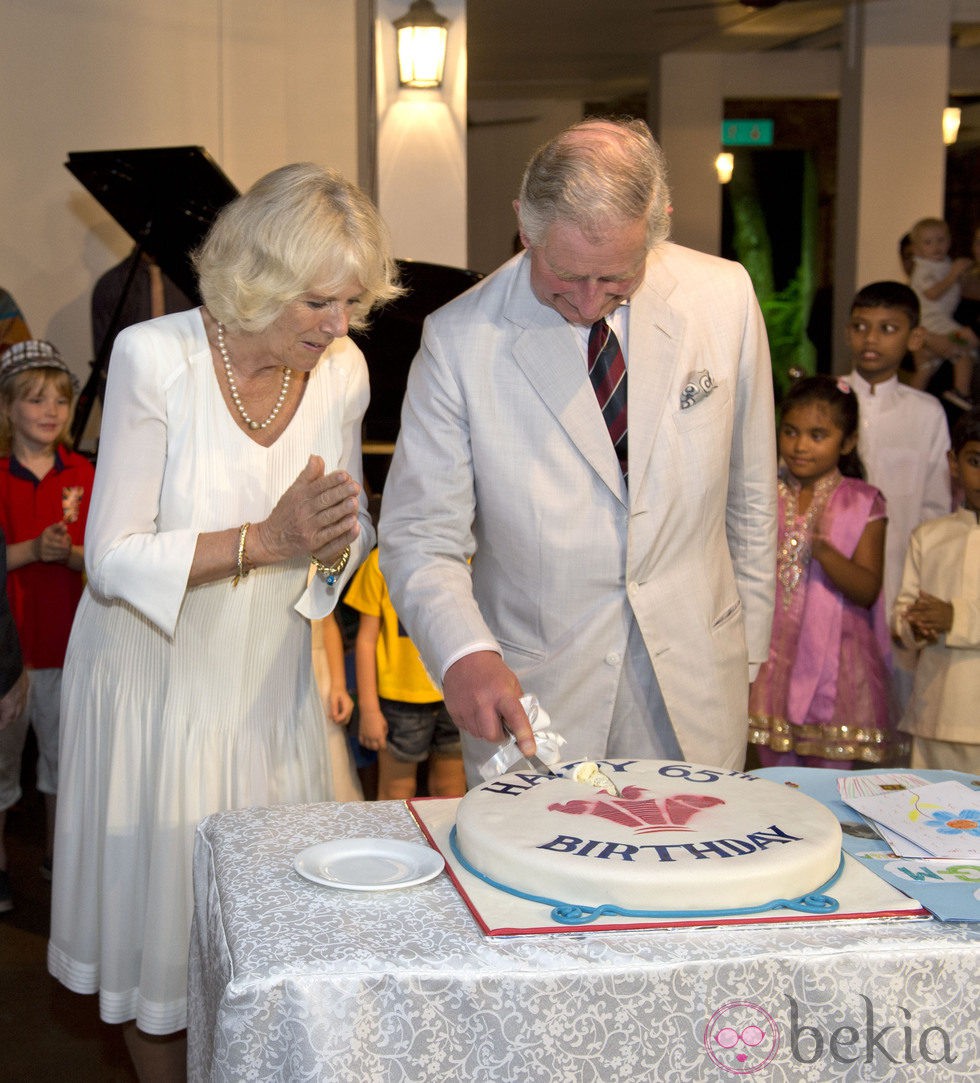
(181, 702)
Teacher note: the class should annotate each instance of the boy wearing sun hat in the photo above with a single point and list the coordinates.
(45, 489)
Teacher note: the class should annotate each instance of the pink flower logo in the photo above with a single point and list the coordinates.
(741, 1038)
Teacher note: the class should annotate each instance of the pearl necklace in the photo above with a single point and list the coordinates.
(233, 387)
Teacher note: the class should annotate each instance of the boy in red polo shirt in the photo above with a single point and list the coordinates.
(45, 489)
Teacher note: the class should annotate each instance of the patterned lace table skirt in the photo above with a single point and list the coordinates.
(290, 980)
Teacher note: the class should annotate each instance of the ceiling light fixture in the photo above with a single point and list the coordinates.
(422, 35)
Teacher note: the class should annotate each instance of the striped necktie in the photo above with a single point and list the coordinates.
(607, 371)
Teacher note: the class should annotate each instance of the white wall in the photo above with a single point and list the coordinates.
(256, 82)
(891, 159)
(906, 71)
(688, 127)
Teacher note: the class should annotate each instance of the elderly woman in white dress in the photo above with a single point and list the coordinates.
(229, 465)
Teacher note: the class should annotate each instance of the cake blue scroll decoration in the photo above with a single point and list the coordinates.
(563, 913)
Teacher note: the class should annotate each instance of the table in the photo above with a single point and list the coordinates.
(290, 980)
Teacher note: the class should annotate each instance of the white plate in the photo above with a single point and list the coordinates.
(368, 864)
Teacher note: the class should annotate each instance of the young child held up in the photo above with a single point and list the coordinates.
(821, 698)
(937, 613)
(400, 710)
(45, 489)
(936, 280)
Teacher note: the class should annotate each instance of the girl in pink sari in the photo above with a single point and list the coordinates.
(821, 699)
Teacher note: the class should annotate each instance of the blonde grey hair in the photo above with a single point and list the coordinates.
(596, 175)
(297, 227)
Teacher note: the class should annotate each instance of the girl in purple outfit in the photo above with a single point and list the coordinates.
(821, 698)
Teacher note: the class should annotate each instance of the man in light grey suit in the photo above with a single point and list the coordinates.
(633, 599)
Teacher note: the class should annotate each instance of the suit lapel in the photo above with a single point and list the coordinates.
(655, 336)
(548, 352)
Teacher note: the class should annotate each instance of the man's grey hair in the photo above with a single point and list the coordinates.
(596, 175)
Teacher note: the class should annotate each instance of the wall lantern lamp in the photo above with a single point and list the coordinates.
(951, 124)
(725, 166)
(422, 35)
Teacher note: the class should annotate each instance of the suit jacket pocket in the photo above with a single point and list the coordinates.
(731, 613)
(708, 411)
(532, 654)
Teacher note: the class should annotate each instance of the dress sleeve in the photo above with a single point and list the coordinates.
(319, 599)
(126, 556)
(879, 507)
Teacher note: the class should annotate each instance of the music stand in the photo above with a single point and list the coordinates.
(166, 199)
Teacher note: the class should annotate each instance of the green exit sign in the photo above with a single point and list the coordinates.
(746, 133)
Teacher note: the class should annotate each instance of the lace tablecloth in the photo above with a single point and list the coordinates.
(290, 980)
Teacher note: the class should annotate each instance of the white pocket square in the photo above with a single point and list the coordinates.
(698, 386)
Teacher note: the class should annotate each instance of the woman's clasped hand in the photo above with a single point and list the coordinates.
(317, 514)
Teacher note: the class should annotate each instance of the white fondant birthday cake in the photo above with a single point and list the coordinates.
(676, 838)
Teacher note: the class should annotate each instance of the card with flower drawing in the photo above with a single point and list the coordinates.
(940, 819)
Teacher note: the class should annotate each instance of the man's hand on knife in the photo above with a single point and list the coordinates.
(483, 696)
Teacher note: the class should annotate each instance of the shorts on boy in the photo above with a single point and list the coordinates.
(416, 729)
(42, 710)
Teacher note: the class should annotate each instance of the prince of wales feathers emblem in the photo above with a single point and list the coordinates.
(639, 809)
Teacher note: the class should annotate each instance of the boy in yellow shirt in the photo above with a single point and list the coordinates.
(400, 710)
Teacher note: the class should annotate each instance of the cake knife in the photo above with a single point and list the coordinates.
(540, 766)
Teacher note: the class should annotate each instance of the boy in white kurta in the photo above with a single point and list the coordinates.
(938, 613)
(903, 439)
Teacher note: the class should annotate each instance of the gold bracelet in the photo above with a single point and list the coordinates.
(329, 573)
(243, 572)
